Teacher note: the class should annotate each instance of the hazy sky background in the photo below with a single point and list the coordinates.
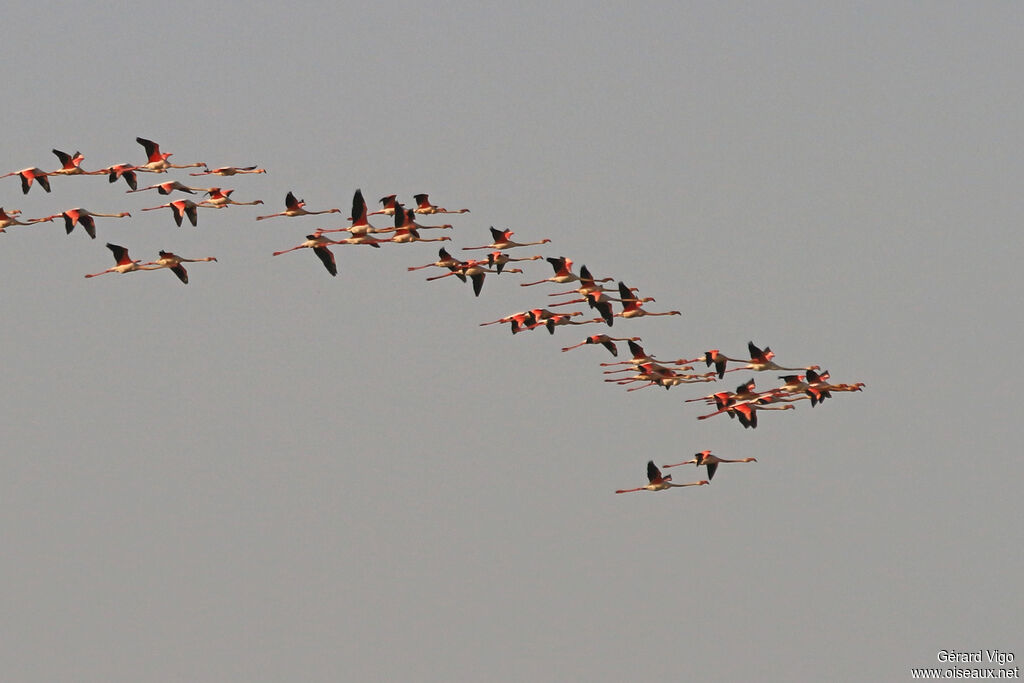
(272, 474)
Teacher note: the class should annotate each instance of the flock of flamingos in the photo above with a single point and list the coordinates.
(607, 302)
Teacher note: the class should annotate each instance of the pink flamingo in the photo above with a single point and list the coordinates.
(71, 164)
(230, 170)
(445, 260)
(424, 206)
(84, 218)
(296, 207)
(657, 482)
(124, 263)
(503, 240)
(169, 187)
(126, 171)
(710, 461)
(28, 175)
(320, 246)
(173, 262)
(389, 203)
(604, 340)
(220, 199)
(181, 208)
(632, 306)
(157, 161)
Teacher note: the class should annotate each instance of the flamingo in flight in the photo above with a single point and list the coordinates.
(321, 247)
(657, 482)
(9, 219)
(563, 273)
(84, 217)
(180, 208)
(444, 260)
(475, 271)
(71, 164)
(388, 203)
(819, 388)
(407, 231)
(169, 187)
(640, 356)
(587, 284)
(157, 161)
(124, 262)
(126, 171)
(229, 170)
(632, 306)
(296, 207)
(221, 199)
(604, 340)
(424, 206)
(503, 240)
(173, 262)
(358, 218)
(559, 319)
(759, 360)
(498, 259)
(28, 176)
(709, 460)
(519, 321)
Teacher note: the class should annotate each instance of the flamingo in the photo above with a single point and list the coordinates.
(84, 218)
(9, 219)
(169, 187)
(759, 360)
(173, 262)
(180, 208)
(604, 340)
(296, 207)
(560, 319)
(126, 171)
(498, 259)
(653, 373)
(424, 206)
(220, 199)
(657, 482)
(708, 459)
(631, 306)
(320, 246)
(563, 273)
(71, 164)
(28, 175)
(407, 231)
(640, 356)
(360, 225)
(157, 160)
(229, 170)
(124, 263)
(475, 271)
(445, 260)
(587, 284)
(819, 388)
(519, 321)
(389, 203)
(503, 240)
(411, 215)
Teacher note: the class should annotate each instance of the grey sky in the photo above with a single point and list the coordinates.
(272, 474)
